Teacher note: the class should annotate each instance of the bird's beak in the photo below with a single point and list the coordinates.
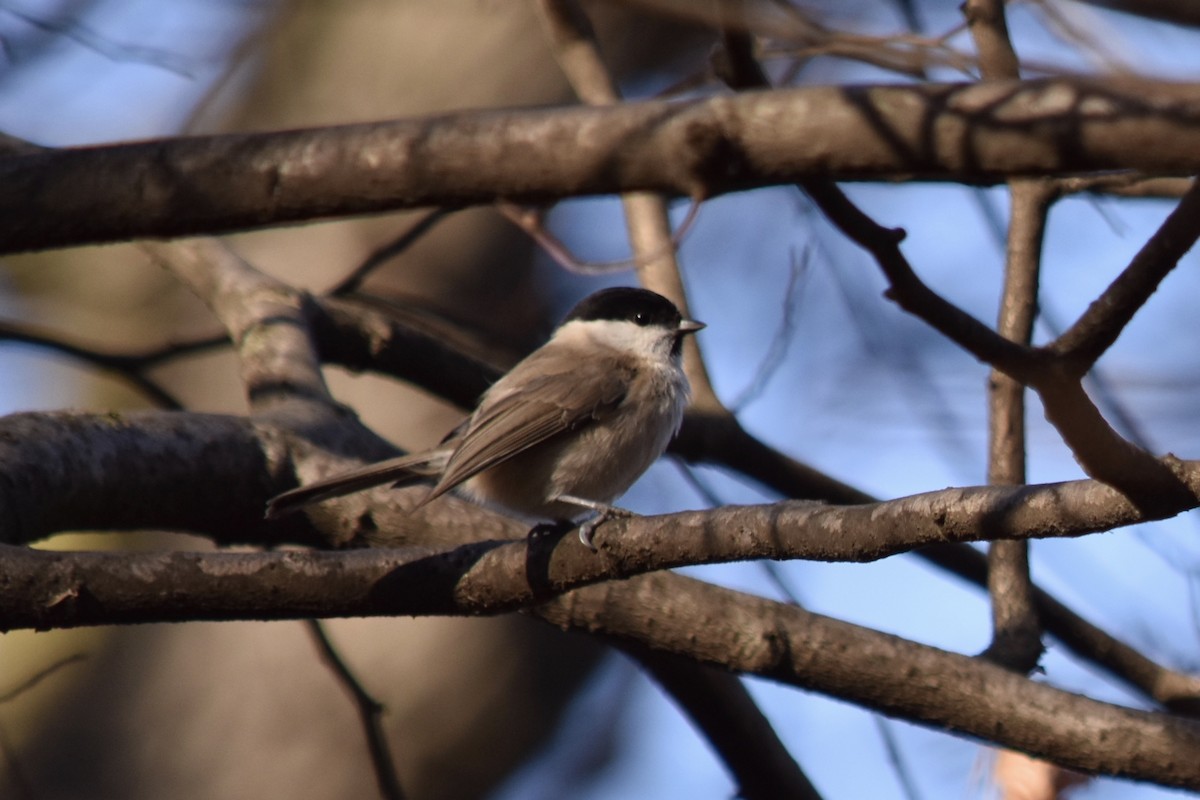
(691, 326)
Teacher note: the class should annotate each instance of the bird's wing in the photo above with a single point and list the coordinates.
(410, 467)
(547, 406)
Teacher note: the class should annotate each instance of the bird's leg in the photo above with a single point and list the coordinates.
(604, 512)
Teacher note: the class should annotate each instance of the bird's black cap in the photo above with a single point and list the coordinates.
(640, 306)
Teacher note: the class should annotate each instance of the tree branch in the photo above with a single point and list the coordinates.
(696, 148)
(667, 612)
(1016, 635)
(493, 576)
(370, 712)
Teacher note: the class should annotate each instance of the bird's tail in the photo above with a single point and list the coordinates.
(404, 469)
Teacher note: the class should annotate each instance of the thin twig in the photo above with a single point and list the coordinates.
(370, 712)
(1098, 327)
(777, 350)
(908, 783)
(21, 784)
(166, 59)
(125, 367)
(387, 252)
(41, 675)
(530, 221)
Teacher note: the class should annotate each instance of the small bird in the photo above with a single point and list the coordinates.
(564, 432)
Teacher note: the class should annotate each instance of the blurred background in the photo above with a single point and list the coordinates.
(800, 341)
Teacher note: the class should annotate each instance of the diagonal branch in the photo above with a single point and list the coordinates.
(1095, 331)
(264, 318)
(370, 712)
(127, 368)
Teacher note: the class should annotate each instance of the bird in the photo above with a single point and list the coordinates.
(563, 433)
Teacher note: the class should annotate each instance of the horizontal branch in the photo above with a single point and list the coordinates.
(692, 619)
(981, 133)
(496, 576)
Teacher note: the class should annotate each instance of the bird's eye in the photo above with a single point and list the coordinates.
(641, 319)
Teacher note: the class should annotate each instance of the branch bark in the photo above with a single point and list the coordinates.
(696, 148)
(666, 612)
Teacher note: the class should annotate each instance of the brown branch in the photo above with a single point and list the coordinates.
(1098, 327)
(1016, 634)
(693, 148)
(264, 318)
(493, 576)
(803, 649)
(688, 618)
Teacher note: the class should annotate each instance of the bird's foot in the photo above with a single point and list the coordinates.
(604, 512)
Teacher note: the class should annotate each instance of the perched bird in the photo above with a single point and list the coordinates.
(567, 430)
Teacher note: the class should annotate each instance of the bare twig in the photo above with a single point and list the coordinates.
(530, 220)
(370, 712)
(125, 367)
(904, 776)
(39, 676)
(1095, 331)
(386, 253)
(97, 42)
(782, 339)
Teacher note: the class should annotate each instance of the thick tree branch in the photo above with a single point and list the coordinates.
(663, 611)
(804, 649)
(264, 318)
(697, 148)
(490, 577)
